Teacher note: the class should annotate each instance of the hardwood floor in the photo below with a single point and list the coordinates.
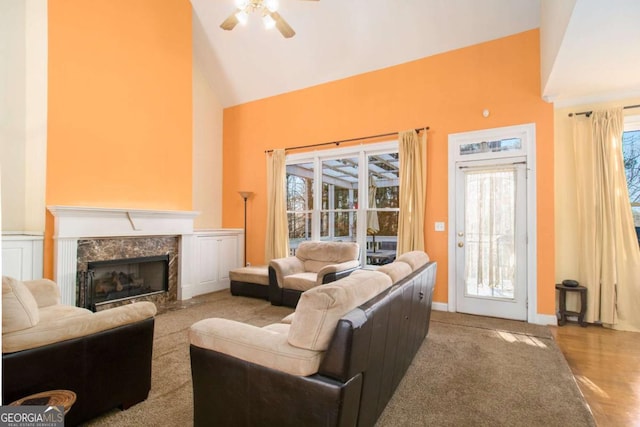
(606, 364)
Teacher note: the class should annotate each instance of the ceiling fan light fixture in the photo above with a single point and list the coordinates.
(241, 4)
(268, 22)
(271, 5)
(242, 17)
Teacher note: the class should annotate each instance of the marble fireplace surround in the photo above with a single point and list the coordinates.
(72, 224)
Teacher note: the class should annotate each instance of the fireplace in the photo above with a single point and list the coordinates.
(108, 282)
(83, 234)
(112, 271)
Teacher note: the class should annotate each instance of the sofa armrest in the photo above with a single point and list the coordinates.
(45, 292)
(343, 267)
(286, 266)
(253, 344)
(76, 327)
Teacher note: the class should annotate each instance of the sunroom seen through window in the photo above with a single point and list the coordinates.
(357, 200)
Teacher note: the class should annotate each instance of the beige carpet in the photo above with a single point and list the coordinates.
(470, 371)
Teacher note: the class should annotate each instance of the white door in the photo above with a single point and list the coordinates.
(491, 237)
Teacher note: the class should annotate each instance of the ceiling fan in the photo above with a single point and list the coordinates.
(267, 8)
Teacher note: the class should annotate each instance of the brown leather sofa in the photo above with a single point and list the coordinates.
(104, 357)
(315, 263)
(342, 373)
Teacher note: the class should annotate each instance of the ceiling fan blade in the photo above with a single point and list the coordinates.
(282, 26)
(230, 23)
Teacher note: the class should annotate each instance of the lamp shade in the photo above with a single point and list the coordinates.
(245, 194)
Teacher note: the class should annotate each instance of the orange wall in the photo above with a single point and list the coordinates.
(119, 105)
(446, 92)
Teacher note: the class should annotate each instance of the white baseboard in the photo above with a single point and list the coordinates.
(440, 306)
(191, 291)
(545, 319)
(540, 319)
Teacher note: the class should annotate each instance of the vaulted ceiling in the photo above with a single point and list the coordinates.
(340, 38)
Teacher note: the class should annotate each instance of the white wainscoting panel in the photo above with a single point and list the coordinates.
(22, 256)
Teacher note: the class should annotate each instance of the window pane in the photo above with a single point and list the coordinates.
(384, 181)
(631, 153)
(511, 144)
(338, 225)
(340, 183)
(299, 225)
(383, 194)
(300, 187)
(381, 246)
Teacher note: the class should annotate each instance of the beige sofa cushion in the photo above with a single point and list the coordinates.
(45, 291)
(263, 346)
(258, 274)
(75, 323)
(300, 281)
(397, 270)
(415, 259)
(320, 308)
(19, 307)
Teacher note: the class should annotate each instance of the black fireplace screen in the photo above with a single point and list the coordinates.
(110, 281)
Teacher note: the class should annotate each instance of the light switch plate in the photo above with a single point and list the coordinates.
(439, 226)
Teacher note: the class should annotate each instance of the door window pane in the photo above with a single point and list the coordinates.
(490, 233)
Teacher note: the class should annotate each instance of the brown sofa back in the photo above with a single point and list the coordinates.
(371, 349)
(379, 340)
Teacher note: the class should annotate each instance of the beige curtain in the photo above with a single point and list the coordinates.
(608, 258)
(413, 178)
(277, 236)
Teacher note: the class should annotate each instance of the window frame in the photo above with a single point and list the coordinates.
(362, 152)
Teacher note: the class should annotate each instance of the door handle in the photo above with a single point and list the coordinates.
(460, 244)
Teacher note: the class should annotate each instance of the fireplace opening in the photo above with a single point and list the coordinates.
(120, 279)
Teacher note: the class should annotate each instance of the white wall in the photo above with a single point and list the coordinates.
(554, 19)
(12, 112)
(207, 137)
(23, 113)
(36, 114)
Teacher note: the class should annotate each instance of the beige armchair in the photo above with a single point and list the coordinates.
(314, 264)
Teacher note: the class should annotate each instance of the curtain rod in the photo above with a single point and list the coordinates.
(588, 113)
(344, 140)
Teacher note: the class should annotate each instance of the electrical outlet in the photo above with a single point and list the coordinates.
(439, 226)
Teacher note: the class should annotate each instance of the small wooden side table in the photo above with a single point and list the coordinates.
(563, 312)
(65, 398)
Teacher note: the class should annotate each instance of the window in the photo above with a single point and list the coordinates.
(348, 194)
(631, 155)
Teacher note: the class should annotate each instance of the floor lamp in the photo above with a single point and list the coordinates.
(245, 195)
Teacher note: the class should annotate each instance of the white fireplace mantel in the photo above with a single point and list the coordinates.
(73, 223)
